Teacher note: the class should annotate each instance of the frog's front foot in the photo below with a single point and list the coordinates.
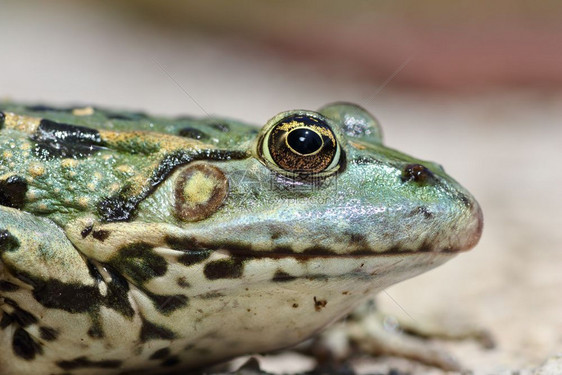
(368, 331)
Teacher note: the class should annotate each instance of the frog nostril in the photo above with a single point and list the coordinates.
(418, 174)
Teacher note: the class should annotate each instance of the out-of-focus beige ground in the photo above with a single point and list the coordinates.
(505, 147)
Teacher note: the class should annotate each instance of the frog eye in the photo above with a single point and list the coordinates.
(301, 144)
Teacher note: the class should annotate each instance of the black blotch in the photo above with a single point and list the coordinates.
(231, 268)
(160, 354)
(6, 320)
(58, 140)
(86, 231)
(23, 317)
(167, 304)
(282, 276)
(172, 361)
(48, 334)
(139, 262)
(129, 116)
(182, 282)
(45, 108)
(2, 119)
(426, 246)
(465, 201)
(12, 191)
(8, 242)
(152, 331)
(94, 272)
(24, 346)
(417, 173)
(361, 160)
(184, 243)
(193, 257)
(101, 235)
(318, 250)
(6, 286)
(319, 304)
(220, 126)
(211, 295)
(117, 208)
(118, 293)
(83, 362)
(73, 298)
(422, 210)
(79, 298)
(192, 133)
(96, 331)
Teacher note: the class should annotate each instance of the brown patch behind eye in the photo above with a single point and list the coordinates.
(199, 192)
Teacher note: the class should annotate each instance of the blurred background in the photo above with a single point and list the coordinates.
(476, 86)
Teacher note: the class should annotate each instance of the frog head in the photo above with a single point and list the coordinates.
(320, 183)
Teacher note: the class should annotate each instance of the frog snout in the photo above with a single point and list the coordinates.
(474, 228)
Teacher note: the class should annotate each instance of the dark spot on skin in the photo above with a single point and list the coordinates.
(211, 295)
(465, 201)
(83, 362)
(130, 116)
(152, 331)
(231, 268)
(282, 276)
(220, 126)
(8, 242)
(48, 334)
(94, 272)
(117, 208)
(192, 133)
(79, 298)
(167, 304)
(86, 231)
(6, 286)
(101, 235)
(193, 257)
(45, 108)
(21, 316)
(172, 361)
(96, 331)
(6, 320)
(182, 282)
(426, 246)
(182, 243)
(24, 346)
(160, 354)
(419, 174)
(319, 304)
(58, 140)
(74, 298)
(421, 210)
(12, 191)
(361, 160)
(121, 207)
(318, 250)
(295, 305)
(139, 262)
(275, 235)
(118, 293)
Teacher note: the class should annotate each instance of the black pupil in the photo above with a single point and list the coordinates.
(304, 141)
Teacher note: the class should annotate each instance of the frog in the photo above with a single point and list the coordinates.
(132, 243)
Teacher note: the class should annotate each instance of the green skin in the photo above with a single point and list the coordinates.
(272, 263)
